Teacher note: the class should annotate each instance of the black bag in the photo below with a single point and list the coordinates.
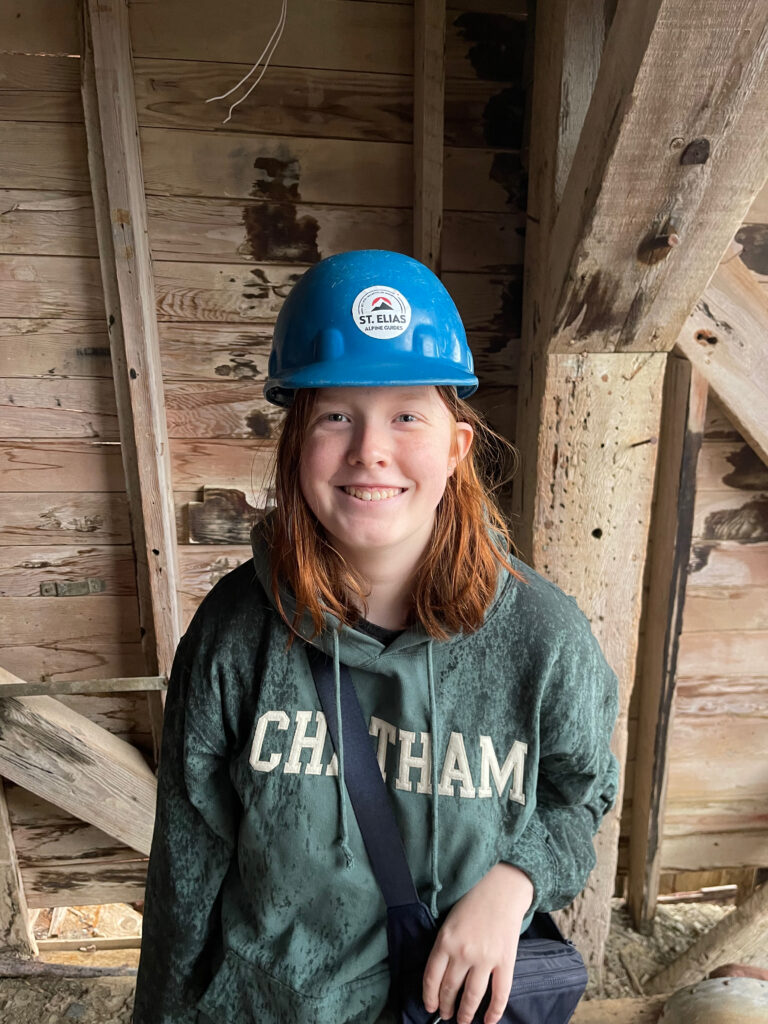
(550, 976)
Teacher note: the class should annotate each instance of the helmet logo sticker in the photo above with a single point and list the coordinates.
(381, 312)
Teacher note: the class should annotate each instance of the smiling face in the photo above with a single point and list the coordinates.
(374, 466)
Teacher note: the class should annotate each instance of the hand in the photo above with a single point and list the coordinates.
(478, 941)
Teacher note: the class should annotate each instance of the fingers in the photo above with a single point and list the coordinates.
(474, 990)
(433, 976)
(501, 982)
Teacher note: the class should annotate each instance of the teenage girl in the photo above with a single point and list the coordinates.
(489, 703)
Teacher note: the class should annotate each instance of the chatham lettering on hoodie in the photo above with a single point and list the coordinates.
(260, 902)
(456, 766)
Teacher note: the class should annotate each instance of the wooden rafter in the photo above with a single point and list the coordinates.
(67, 759)
(121, 222)
(682, 427)
(671, 154)
(726, 339)
(428, 118)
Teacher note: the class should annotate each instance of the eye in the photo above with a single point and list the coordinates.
(336, 417)
(407, 417)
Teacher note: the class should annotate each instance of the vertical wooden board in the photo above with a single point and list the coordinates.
(16, 934)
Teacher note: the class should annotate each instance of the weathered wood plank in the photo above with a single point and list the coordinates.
(117, 183)
(682, 424)
(733, 653)
(231, 231)
(60, 622)
(99, 687)
(627, 1011)
(44, 223)
(726, 608)
(45, 156)
(245, 465)
(616, 283)
(368, 106)
(39, 26)
(64, 518)
(202, 566)
(39, 88)
(42, 286)
(724, 338)
(51, 466)
(221, 409)
(700, 850)
(729, 516)
(72, 658)
(32, 408)
(254, 294)
(348, 36)
(65, 758)
(733, 464)
(54, 348)
(335, 171)
(738, 934)
(729, 565)
(16, 934)
(25, 569)
(239, 352)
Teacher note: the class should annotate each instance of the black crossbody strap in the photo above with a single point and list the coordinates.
(362, 777)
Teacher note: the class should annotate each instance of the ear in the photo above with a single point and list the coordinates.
(462, 443)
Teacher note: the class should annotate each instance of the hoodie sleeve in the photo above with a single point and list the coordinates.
(192, 845)
(577, 772)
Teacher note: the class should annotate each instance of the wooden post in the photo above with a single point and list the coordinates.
(117, 185)
(683, 415)
(16, 935)
(654, 193)
(428, 118)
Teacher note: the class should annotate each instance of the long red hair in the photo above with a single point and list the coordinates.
(458, 575)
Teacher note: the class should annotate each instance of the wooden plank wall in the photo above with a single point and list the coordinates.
(319, 159)
(718, 785)
(63, 511)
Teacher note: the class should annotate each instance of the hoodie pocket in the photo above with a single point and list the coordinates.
(242, 993)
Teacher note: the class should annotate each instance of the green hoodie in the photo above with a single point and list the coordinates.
(260, 904)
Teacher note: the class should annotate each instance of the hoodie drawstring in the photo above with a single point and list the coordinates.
(436, 886)
(344, 838)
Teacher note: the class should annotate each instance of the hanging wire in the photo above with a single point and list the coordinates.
(267, 53)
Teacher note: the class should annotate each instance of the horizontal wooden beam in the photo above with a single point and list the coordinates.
(67, 759)
(51, 687)
(672, 152)
(725, 339)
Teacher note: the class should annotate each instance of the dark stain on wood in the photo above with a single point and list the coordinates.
(497, 44)
(508, 172)
(240, 367)
(503, 118)
(699, 558)
(749, 472)
(274, 232)
(276, 178)
(259, 424)
(592, 304)
(747, 524)
(223, 517)
(754, 238)
(89, 351)
(509, 318)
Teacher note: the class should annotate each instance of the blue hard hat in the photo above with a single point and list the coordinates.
(368, 318)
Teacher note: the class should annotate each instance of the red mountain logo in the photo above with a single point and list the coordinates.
(380, 301)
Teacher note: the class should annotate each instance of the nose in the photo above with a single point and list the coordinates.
(369, 445)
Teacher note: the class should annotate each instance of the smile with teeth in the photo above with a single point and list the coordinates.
(373, 493)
